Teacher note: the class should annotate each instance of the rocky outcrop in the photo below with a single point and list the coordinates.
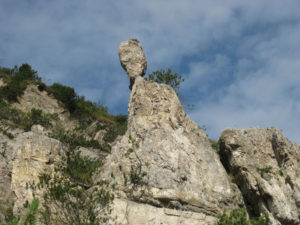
(266, 167)
(129, 212)
(179, 170)
(22, 160)
(2, 83)
(40, 99)
(35, 153)
(132, 59)
(34, 98)
(7, 195)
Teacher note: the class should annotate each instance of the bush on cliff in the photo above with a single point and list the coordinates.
(167, 77)
(239, 217)
(17, 80)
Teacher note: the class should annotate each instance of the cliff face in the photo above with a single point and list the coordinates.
(181, 173)
(163, 170)
(265, 166)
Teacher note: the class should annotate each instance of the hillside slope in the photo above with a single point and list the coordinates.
(85, 166)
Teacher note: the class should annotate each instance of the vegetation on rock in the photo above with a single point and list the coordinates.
(239, 217)
(17, 80)
(70, 197)
(167, 77)
(16, 118)
(31, 215)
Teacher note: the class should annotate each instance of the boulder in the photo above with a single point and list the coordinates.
(165, 161)
(266, 167)
(132, 59)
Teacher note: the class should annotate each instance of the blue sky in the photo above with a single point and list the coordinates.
(240, 59)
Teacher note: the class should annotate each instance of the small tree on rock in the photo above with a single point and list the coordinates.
(167, 77)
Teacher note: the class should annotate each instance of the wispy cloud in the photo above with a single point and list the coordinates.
(240, 58)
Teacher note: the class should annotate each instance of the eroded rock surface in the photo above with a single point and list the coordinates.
(35, 154)
(266, 167)
(34, 98)
(129, 212)
(22, 160)
(2, 83)
(132, 59)
(183, 172)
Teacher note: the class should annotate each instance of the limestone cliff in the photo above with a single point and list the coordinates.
(266, 167)
(163, 170)
(183, 173)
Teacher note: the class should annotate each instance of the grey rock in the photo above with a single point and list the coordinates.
(129, 212)
(266, 167)
(132, 59)
(34, 154)
(34, 98)
(2, 83)
(183, 171)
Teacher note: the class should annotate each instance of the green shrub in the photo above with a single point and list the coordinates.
(83, 110)
(17, 118)
(13, 90)
(25, 72)
(36, 116)
(214, 144)
(119, 128)
(30, 218)
(66, 95)
(17, 80)
(167, 77)
(267, 169)
(239, 217)
(74, 140)
(68, 196)
(5, 73)
(7, 211)
(80, 169)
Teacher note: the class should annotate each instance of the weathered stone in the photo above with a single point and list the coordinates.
(34, 98)
(266, 167)
(2, 83)
(132, 213)
(132, 59)
(183, 171)
(34, 154)
(7, 195)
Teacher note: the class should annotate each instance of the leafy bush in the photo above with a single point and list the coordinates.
(30, 218)
(66, 95)
(167, 77)
(9, 216)
(25, 72)
(117, 129)
(12, 90)
(74, 140)
(83, 110)
(267, 169)
(239, 217)
(5, 73)
(68, 196)
(80, 169)
(17, 80)
(36, 116)
(23, 120)
(214, 144)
